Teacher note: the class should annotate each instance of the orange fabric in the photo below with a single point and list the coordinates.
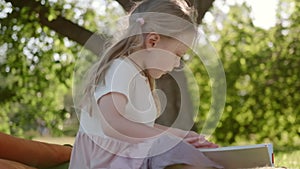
(6, 164)
(33, 153)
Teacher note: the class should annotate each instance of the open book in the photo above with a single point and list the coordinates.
(249, 156)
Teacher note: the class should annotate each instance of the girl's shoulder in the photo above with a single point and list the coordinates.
(116, 62)
(121, 66)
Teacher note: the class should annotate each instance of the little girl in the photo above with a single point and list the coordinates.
(117, 121)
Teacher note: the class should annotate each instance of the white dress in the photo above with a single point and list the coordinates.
(94, 150)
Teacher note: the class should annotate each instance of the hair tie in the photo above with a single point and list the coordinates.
(140, 20)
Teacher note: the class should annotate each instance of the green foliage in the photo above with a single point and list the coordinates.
(262, 74)
(36, 64)
(35, 82)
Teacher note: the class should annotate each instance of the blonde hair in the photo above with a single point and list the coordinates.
(151, 12)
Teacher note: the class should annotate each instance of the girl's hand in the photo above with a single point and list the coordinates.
(198, 141)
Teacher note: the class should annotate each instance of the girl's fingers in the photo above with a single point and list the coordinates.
(191, 139)
(203, 144)
(195, 140)
(198, 138)
(211, 145)
(207, 145)
(200, 142)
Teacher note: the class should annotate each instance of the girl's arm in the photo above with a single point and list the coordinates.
(177, 132)
(117, 126)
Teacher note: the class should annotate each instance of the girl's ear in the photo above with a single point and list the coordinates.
(152, 39)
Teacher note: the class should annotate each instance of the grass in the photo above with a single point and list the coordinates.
(288, 157)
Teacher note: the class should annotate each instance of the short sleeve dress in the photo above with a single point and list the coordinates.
(94, 150)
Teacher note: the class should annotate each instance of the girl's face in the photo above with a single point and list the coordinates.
(165, 56)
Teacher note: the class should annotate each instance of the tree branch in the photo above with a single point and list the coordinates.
(202, 7)
(63, 26)
(84, 37)
(127, 4)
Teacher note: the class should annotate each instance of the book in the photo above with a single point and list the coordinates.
(248, 156)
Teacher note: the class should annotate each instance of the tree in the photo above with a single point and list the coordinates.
(39, 41)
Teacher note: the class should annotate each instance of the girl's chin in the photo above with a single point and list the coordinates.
(157, 74)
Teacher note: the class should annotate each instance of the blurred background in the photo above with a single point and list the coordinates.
(257, 42)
